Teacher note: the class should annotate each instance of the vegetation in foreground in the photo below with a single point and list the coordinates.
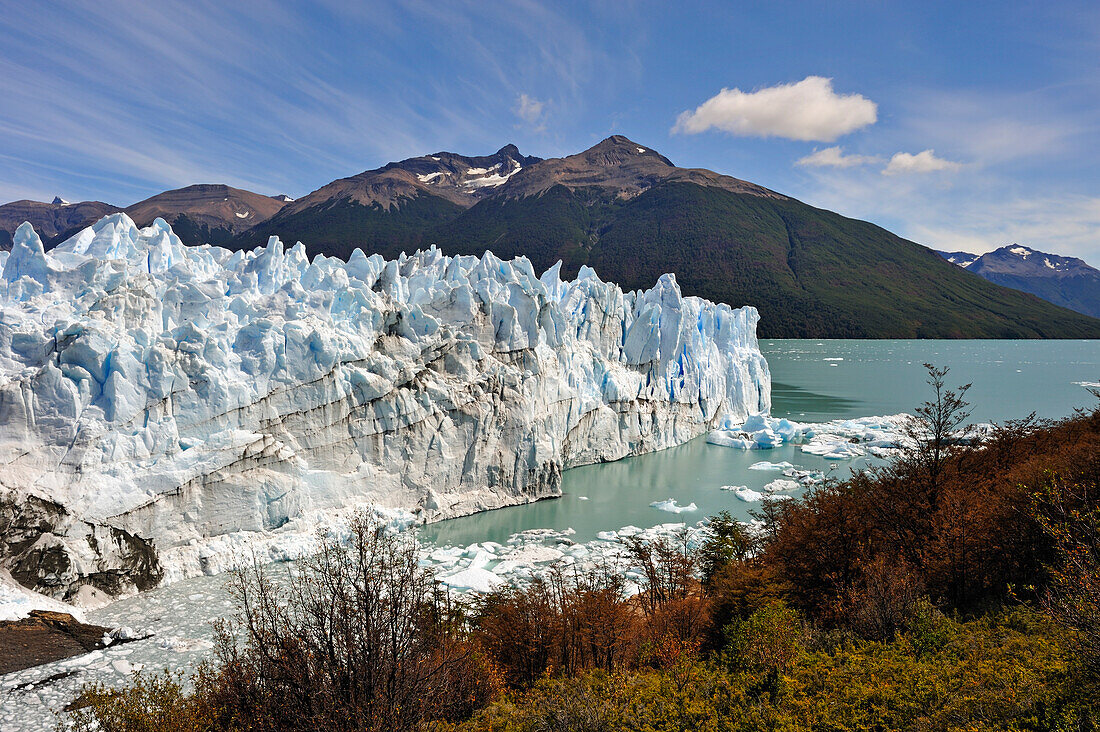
(957, 588)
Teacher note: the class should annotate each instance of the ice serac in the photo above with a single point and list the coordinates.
(163, 401)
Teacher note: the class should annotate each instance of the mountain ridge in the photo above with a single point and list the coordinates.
(202, 213)
(632, 215)
(1066, 281)
(628, 212)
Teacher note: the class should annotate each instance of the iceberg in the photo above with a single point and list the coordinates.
(168, 411)
(669, 505)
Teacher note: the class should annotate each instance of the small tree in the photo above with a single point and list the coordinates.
(563, 623)
(933, 432)
(668, 567)
(358, 638)
(727, 542)
(676, 612)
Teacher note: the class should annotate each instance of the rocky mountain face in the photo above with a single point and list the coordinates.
(50, 220)
(619, 169)
(631, 214)
(1065, 281)
(168, 410)
(393, 207)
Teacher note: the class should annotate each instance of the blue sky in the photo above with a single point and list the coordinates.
(119, 100)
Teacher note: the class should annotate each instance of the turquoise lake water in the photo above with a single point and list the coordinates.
(812, 381)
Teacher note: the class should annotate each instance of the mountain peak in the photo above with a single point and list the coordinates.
(620, 167)
(617, 149)
(206, 212)
(59, 201)
(1017, 250)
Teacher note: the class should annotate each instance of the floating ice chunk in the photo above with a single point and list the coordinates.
(671, 506)
(833, 448)
(744, 493)
(781, 485)
(841, 439)
(724, 438)
(805, 477)
(85, 660)
(473, 579)
(534, 554)
(177, 644)
(765, 465)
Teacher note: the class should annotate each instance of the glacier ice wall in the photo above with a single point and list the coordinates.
(154, 396)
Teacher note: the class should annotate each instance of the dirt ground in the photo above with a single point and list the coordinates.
(44, 637)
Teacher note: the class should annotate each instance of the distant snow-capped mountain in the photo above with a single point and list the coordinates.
(1066, 281)
(963, 259)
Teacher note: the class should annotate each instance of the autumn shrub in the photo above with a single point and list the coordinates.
(766, 644)
(562, 623)
(1007, 671)
(953, 524)
(1069, 513)
(152, 703)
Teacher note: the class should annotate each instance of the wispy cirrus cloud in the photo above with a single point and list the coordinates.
(531, 111)
(807, 110)
(128, 98)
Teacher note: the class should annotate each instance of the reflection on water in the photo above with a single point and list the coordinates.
(861, 378)
(803, 405)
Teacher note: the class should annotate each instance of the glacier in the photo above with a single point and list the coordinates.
(162, 406)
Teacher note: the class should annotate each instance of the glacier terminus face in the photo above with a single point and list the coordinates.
(160, 401)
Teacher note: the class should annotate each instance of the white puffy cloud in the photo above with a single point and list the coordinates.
(529, 109)
(834, 157)
(922, 162)
(806, 110)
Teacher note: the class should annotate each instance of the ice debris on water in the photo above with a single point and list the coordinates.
(840, 439)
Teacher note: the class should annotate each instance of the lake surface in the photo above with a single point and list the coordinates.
(1010, 378)
(812, 381)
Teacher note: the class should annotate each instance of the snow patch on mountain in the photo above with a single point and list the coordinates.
(164, 407)
(490, 177)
